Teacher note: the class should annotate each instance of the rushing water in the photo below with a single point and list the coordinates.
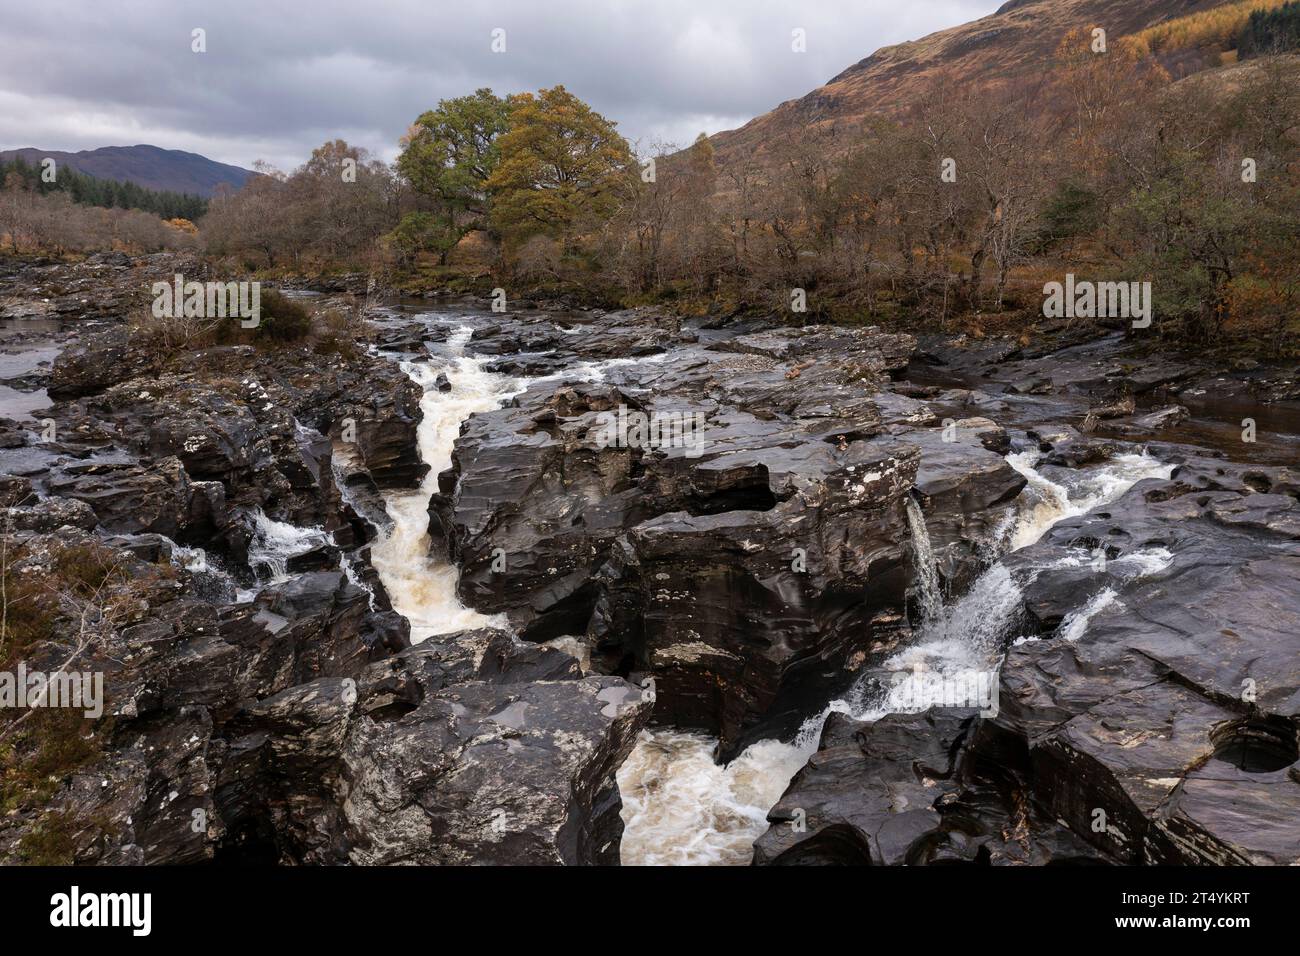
(679, 807)
(273, 544)
(421, 586)
(927, 571)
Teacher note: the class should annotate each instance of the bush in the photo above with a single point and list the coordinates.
(283, 319)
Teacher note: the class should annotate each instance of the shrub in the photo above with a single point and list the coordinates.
(283, 319)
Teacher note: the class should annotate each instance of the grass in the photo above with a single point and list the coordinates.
(38, 755)
(283, 323)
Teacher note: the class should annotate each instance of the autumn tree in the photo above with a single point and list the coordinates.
(642, 231)
(332, 209)
(563, 169)
(341, 199)
(1101, 84)
(249, 223)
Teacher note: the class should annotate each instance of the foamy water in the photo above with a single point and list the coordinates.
(1046, 502)
(422, 586)
(681, 808)
(271, 547)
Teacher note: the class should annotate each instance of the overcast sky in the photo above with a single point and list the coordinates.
(279, 78)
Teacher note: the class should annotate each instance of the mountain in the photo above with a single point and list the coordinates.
(1017, 39)
(170, 170)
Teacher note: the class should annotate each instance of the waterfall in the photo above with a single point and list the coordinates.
(422, 586)
(679, 807)
(927, 572)
(273, 544)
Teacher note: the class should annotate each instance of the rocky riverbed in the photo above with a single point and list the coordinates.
(577, 587)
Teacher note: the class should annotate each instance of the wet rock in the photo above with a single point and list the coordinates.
(14, 490)
(51, 514)
(495, 773)
(965, 491)
(1152, 422)
(869, 794)
(471, 747)
(644, 549)
(1155, 683)
(99, 361)
(213, 717)
(901, 791)
(131, 499)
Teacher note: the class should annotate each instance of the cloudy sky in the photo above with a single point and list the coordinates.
(279, 78)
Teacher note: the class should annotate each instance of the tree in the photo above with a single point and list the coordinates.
(332, 209)
(1271, 31)
(447, 156)
(250, 220)
(343, 200)
(419, 232)
(563, 168)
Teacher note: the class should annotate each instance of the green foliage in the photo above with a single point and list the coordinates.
(283, 319)
(110, 194)
(448, 155)
(1072, 210)
(1191, 236)
(422, 232)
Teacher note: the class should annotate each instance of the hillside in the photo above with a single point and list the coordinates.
(1010, 42)
(162, 170)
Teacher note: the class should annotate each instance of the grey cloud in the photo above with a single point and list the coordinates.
(279, 78)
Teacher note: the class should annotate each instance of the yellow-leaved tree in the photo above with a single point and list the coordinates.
(564, 170)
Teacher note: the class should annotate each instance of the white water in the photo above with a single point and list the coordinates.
(421, 586)
(1048, 502)
(927, 572)
(682, 808)
(679, 807)
(272, 545)
(592, 372)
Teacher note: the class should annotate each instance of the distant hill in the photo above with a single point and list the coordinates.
(1018, 39)
(163, 170)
